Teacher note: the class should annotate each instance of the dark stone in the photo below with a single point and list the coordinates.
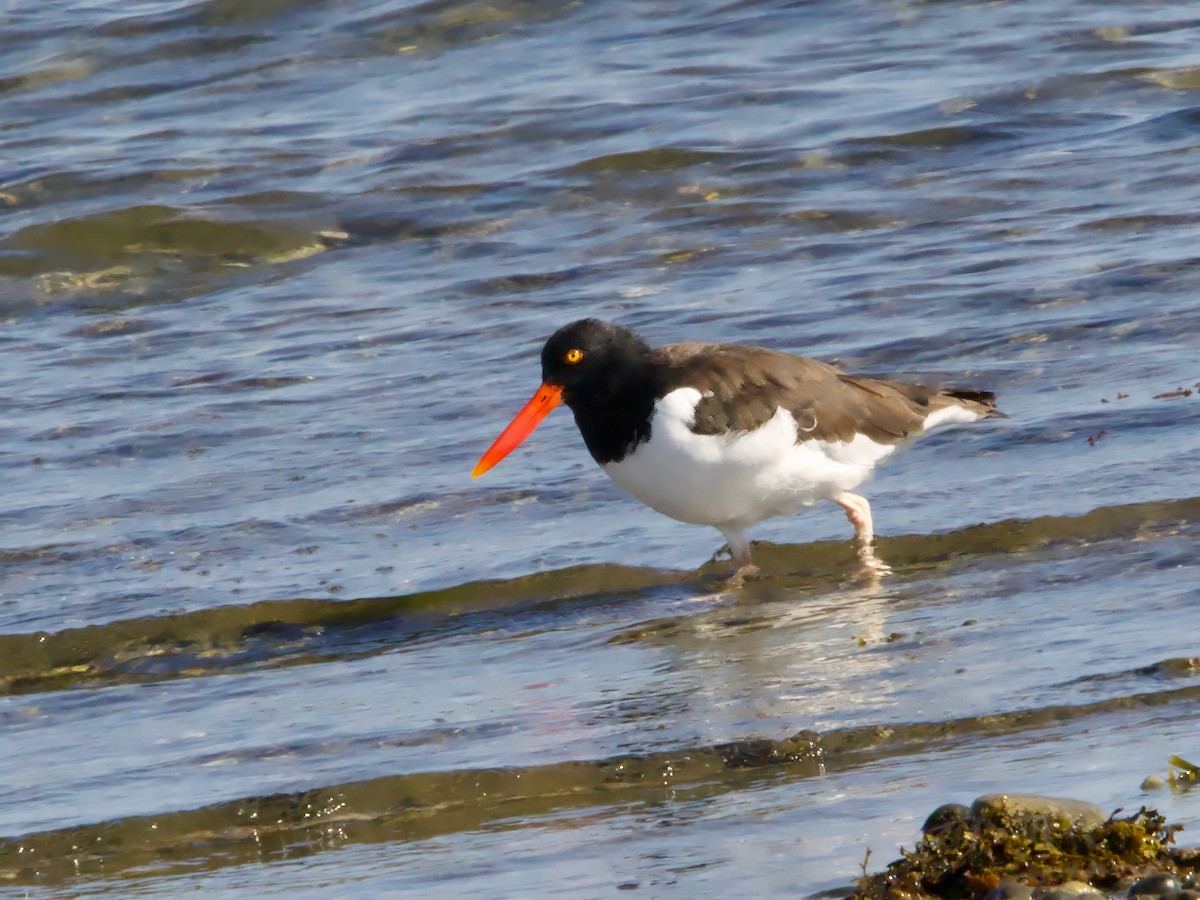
(944, 818)
(1158, 883)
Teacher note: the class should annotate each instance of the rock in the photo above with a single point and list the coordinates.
(1070, 890)
(1009, 890)
(1081, 813)
(1152, 783)
(1158, 883)
(945, 817)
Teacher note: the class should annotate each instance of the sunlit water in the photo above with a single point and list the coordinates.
(273, 275)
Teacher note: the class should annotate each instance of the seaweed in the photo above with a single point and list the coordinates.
(1188, 775)
(965, 855)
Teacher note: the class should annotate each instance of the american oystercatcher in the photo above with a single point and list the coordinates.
(727, 435)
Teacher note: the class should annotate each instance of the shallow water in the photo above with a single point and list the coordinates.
(274, 274)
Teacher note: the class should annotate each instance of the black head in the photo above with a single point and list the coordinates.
(605, 374)
(594, 361)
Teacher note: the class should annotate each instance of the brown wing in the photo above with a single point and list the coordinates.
(744, 386)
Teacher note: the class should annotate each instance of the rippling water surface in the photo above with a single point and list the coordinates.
(274, 273)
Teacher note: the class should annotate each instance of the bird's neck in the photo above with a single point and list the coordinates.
(614, 423)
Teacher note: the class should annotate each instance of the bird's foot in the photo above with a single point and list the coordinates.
(722, 552)
(738, 549)
(738, 579)
(869, 562)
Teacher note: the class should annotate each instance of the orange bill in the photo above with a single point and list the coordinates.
(522, 425)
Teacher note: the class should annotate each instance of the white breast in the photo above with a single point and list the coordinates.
(738, 479)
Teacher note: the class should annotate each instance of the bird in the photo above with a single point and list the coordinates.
(728, 435)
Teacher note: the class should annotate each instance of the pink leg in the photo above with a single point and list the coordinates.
(739, 548)
(858, 511)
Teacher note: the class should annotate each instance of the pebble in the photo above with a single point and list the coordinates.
(1071, 890)
(1009, 890)
(1152, 783)
(1158, 883)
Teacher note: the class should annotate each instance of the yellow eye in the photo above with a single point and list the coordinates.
(573, 356)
